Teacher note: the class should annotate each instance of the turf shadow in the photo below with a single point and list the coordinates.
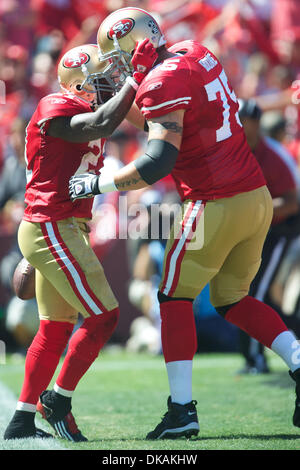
(210, 438)
(279, 379)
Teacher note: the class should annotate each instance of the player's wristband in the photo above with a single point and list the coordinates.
(132, 82)
(106, 183)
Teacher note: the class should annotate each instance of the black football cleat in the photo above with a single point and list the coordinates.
(59, 416)
(296, 416)
(21, 428)
(179, 421)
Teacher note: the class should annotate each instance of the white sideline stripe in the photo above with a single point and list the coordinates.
(166, 103)
(179, 247)
(70, 267)
(8, 405)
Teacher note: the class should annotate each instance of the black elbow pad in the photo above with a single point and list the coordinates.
(157, 162)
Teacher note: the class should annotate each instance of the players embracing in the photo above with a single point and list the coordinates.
(190, 112)
(194, 134)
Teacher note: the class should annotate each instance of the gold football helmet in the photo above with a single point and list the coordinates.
(117, 37)
(80, 73)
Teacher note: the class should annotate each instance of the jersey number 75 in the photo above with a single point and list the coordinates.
(219, 85)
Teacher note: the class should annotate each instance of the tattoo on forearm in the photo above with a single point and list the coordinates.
(128, 183)
(169, 125)
(172, 126)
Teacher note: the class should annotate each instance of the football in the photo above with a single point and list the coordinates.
(23, 281)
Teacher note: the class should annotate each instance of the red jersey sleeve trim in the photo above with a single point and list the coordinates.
(166, 107)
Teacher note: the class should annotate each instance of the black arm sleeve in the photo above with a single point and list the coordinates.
(94, 125)
(157, 162)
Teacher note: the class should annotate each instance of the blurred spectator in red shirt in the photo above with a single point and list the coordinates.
(56, 14)
(14, 75)
(18, 19)
(285, 30)
(13, 178)
(14, 68)
(181, 20)
(67, 15)
(89, 8)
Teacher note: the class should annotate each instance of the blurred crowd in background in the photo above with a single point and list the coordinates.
(258, 43)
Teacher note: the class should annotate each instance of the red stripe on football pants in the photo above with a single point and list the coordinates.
(75, 265)
(79, 271)
(183, 251)
(179, 235)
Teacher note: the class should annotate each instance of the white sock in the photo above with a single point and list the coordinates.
(62, 391)
(21, 406)
(287, 347)
(180, 381)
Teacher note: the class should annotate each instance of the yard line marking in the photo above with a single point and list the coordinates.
(8, 405)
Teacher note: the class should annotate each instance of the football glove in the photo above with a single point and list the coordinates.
(83, 186)
(143, 59)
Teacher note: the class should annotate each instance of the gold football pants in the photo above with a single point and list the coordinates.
(69, 276)
(219, 242)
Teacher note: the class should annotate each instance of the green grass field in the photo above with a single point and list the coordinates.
(123, 396)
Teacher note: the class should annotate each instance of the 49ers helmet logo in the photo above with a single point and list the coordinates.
(76, 60)
(121, 28)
